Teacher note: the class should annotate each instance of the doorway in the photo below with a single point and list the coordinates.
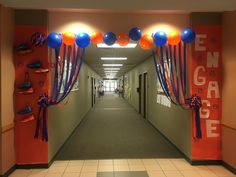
(145, 94)
(140, 93)
(92, 97)
(95, 91)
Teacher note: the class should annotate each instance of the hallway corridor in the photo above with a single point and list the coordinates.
(113, 129)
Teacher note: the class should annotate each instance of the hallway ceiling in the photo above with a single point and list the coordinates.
(157, 5)
(134, 56)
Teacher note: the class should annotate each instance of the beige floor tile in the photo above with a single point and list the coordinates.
(76, 163)
(37, 175)
(60, 163)
(105, 162)
(179, 161)
(73, 169)
(38, 171)
(121, 168)
(120, 162)
(54, 175)
(220, 171)
(184, 166)
(21, 173)
(206, 173)
(137, 168)
(135, 162)
(168, 167)
(164, 162)
(173, 174)
(56, 169)
(149, 162)
(153, 168)
(91, 162)
(71, 175)
(200, 167)
(190, 173)
(89, 168)
(104, 168)
(156, 174)
(88, 175)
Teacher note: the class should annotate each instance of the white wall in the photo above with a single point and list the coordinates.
(229, 87)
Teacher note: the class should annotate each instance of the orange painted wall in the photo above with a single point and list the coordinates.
(28, 149)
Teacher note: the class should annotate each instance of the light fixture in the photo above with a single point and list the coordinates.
(111, 68)
(113, 58)
(129, 45)
(112, 65)
(111, 71)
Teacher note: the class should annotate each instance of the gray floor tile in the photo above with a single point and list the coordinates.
(105, 174)
(131, 174)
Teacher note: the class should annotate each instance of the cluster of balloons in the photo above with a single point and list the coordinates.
(146, 41)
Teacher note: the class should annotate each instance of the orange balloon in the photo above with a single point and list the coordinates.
(123, 39)
(68, 38)
(96, 37)
(146, 42)
(173, 38)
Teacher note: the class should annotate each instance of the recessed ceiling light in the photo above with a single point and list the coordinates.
(103, 45)
(111, 71)
(112, 64)
(113, 58)
(111, 68)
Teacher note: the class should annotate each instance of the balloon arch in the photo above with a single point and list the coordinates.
(169, 55)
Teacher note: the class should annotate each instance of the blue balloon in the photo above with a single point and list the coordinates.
(54, 40)
(82, 40)
(160, 38)
(109, 38)
(188, 35)
(135, 34)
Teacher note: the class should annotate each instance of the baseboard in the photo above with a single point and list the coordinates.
(32, 166)
(9, 172)
(206, 162)
(229, 167)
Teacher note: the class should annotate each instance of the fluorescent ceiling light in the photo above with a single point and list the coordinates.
(111, 68)
(111, 71)
(129, 45)
(113, 58)
(112, 65)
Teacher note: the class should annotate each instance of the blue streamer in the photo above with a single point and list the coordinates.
(185, 67)
(73, 68)
(62, 74)
(172, 77)
(198, 124)
(158, 73)
(180, 68)
(177, 78)
(57, 52)
(79, 67)
(67, 69)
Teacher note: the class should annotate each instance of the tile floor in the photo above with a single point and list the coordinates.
(125, 168)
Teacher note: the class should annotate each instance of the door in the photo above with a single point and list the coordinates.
(95, 91)
(145, 77)
(92, 98)
(140, 93)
